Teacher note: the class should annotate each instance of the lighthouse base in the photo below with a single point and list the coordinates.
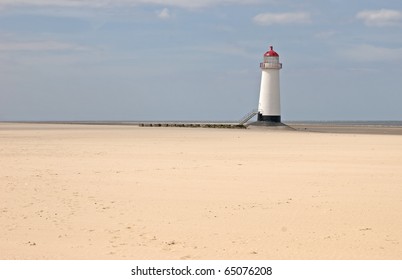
(271, 119)
(266, 124)
(269, 122)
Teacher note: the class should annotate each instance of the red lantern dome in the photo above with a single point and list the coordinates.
(271, 52)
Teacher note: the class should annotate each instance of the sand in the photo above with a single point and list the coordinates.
(127, 192)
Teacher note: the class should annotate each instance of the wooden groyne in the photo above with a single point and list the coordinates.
(203, 125)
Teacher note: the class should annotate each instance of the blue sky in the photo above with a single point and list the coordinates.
(198, 60)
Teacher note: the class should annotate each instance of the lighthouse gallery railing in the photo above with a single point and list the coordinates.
(267, 65)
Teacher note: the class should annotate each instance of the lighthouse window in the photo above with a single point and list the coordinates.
(269, 59)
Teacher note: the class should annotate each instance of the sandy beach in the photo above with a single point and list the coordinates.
(128, 192)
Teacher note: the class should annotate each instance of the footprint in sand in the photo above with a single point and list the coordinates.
(170, 243)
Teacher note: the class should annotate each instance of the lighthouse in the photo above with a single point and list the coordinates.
(269, 106)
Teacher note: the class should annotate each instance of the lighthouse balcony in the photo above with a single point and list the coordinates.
(270, 65)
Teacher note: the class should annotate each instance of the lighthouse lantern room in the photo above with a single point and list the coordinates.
(269, 107)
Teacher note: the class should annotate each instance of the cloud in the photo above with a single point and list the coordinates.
(193, 4)
(381, 17)
(370, 53)
(40, 46)
(164, 14)
(282, 18)
(56, 3)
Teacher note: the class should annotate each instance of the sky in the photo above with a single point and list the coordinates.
(94, 60)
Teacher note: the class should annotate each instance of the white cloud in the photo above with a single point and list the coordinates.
(58, 3)
(370, 53)
(40, 46)
(194, 4)
(282, 18)
(381, 17)
(164, 14)
(189, 4)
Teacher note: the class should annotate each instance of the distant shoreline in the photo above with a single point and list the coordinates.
(312, 122)
(350, 127)
(391, 128)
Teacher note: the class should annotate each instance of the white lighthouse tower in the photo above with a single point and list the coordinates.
(269, 106)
